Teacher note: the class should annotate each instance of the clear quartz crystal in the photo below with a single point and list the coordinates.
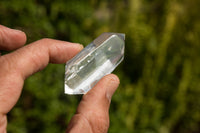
(96, 60)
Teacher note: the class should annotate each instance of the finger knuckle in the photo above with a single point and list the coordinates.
(101, 124)
(46, 40)
(46, 43)
(98, 123)
(39, 60)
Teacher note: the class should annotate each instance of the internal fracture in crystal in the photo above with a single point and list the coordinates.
(96, 60)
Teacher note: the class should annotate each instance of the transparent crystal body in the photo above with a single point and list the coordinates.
(96, 60)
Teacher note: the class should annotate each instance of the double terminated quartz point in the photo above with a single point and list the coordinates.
(96, 60)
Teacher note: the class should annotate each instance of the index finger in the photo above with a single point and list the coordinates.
(34, 57)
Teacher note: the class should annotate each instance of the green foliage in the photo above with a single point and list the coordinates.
(160, 74)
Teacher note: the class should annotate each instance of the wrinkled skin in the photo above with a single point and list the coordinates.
(92, 114)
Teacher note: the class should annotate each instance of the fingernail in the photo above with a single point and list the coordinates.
(81, 46)
(17, 31)
(78, 45)
(113, 83)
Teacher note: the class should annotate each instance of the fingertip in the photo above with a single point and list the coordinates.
(64, 52)
(11, 39)
(23, 36)
(112, 85)
(77, 46)
(80, 46)
(20, 38)
(113, 78)
(110, 81)
(103, 91)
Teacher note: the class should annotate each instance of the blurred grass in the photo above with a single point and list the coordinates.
(160, 88)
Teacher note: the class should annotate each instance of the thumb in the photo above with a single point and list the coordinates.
(93, 111)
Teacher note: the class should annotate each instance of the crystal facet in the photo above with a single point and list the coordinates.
(96, 60)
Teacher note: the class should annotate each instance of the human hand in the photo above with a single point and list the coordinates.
(93, 111)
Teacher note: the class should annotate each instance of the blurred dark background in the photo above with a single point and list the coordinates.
(160, 75)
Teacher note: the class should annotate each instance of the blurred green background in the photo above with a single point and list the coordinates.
(160, 75)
